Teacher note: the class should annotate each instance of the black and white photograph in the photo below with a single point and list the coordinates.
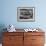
(26, 14)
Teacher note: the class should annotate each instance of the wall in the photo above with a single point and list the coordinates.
(8, 13)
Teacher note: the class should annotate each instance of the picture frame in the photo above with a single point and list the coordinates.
(26, 14)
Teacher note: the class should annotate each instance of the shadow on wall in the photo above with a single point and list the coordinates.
(2, 26)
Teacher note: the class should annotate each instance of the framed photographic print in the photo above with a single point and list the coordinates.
(26, 14)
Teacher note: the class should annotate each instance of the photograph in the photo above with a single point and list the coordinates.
(26, 14)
